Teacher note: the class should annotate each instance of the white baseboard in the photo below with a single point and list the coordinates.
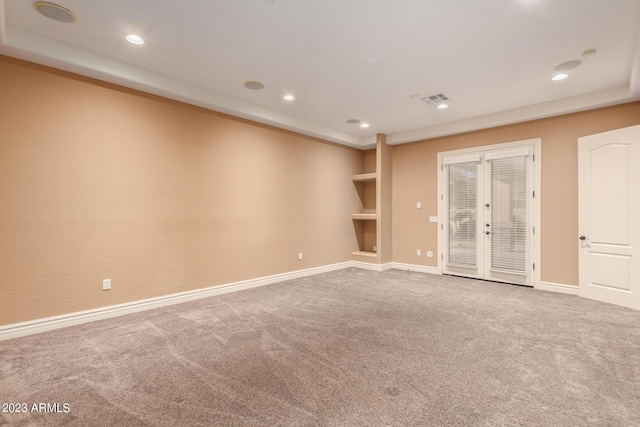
(56, 322)
(372, 267)
(16, 330)
(387, 266)
(417, 268)
(558, 288)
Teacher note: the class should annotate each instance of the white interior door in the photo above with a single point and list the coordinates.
(609, 216)
(488, 206)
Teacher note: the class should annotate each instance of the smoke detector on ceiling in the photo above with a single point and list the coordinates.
(55, 12)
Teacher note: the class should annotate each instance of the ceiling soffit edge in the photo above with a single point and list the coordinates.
(558, 107)
(30, 47)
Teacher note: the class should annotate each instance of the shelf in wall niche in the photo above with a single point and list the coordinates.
(365, 177)
(365, 216)
(365, 253)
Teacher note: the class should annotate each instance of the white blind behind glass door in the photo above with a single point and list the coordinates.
(462, 199)
(509, 207)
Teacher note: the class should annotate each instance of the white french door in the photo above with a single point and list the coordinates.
(486, 212)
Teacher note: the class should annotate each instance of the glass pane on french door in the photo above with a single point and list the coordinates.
(508, 239)
(462, 192)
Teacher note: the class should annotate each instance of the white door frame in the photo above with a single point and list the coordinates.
(535, 221)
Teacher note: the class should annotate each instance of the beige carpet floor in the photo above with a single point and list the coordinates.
(347, 348)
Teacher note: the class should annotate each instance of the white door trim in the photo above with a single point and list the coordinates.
(464, 153)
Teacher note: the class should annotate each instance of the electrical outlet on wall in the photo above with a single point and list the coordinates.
(300, 256)
(106, 284)
(418, 252)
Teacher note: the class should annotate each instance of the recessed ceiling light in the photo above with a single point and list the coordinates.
(132, 38)
(254, 85)
(353, 121)
(288, 97)
(442, 106)
(364, 125)
(560, 76)
(55, 12)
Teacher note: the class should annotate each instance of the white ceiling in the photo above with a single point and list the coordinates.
(347, 59)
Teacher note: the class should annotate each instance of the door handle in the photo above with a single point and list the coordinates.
(583, 238)
(487, 232)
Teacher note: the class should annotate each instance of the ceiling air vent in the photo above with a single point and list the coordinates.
(435, 99)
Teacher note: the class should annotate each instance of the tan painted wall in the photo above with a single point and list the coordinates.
(369, 196)
(384, 200)
(415, 180)
(98, 181)
(369, 161)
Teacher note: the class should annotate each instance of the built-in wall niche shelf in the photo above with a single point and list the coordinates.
(363, 253)
(365, 216)
(367, 223)
(365, 177)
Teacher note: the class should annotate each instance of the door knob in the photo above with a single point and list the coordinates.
(583, 238)
(488, 225)
(487, 232)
